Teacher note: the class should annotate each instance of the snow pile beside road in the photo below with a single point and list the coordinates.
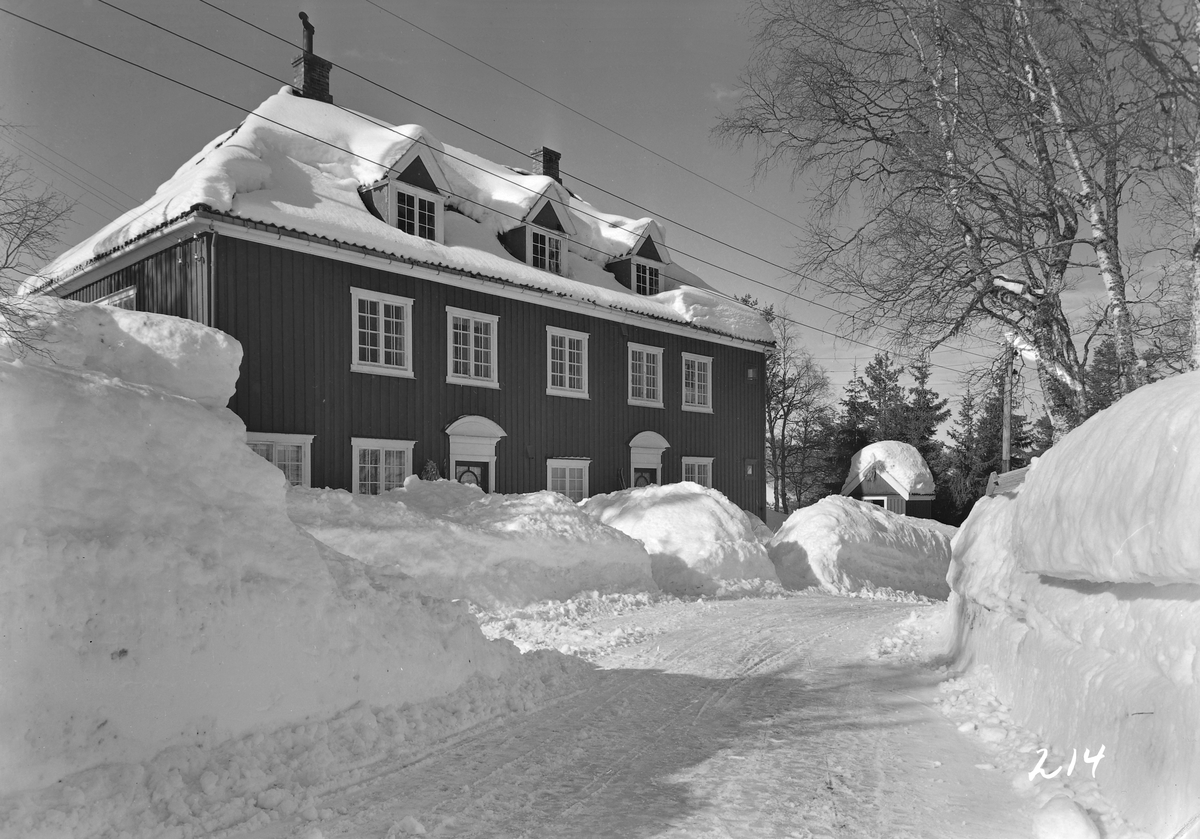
(458, 542)
(1055, 592)
(696, 536)
(848, 546)
(154, 592)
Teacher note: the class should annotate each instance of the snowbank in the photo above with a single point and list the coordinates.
(696, 536)
(458, 542)
(847, 546)
(1052, 592)
(902, 463)
(1115, 500)
(154, 592)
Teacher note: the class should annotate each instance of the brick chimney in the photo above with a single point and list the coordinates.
(312, 71)
(545, 162)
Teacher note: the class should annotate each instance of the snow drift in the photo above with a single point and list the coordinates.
(695, 535)
(457, 541)
(846, 546)
(1081, 595)
(154, 592)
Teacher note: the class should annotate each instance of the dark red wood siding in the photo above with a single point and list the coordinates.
(171, 282)
(292, 313)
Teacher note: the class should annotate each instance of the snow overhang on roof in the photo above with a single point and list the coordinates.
(297, 165)
(900, 465)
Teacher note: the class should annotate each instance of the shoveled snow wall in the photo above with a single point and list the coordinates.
(154, 592)
(696, 536)
(1082, 595)
(459, 542)
(846, 546)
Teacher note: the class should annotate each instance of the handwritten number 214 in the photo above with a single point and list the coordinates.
(1088, 757)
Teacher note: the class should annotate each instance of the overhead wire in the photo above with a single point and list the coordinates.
(579, 113)
(679, 224)
(58, 170)
(57, 153)
(242, 108)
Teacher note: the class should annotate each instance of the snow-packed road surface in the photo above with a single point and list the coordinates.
(740, 718)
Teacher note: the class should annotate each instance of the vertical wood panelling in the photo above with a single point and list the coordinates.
(291, 311)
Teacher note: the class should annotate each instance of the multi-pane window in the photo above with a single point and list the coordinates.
(380, 465)
(698, 470)
(568, 476)
(645, 278)
(697, 382)
(382, 343)
(566, 355)
(289, 452)
(415, 215)
(545, 251)
(645, 375)
(471, 347)
(126, 298)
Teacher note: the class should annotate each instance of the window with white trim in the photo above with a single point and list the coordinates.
(416, 212)
(380, 465)
(291, 453)
(645, 375)
(698, 470)
(697, 382)
(126, 298)
(568, 476)
(645, 278)
(382, 333)
(546, 250)
(471, 347)
(566, 362)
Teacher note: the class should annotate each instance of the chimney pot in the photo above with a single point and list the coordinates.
(545, 162)
(312, 71)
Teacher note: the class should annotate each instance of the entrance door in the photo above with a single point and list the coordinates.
(474, 473)
(643, 476)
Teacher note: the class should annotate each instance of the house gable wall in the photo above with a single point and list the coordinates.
(170, 282)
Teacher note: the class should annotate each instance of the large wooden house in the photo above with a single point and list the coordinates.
(402, 302)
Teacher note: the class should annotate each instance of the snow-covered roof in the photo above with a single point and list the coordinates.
(298, 164)
(900, 464)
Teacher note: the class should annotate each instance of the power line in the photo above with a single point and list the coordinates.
(523, 154)
(579, 113)
(57, 153)
(64, 174)
(786, 293)
(355, 154)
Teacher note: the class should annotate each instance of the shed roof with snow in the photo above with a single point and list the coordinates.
(897, 465)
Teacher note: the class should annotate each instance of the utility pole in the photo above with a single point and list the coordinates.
(1006, 443)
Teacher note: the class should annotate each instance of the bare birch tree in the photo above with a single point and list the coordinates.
(988, 170)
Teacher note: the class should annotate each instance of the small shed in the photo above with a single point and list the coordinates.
(894, 476)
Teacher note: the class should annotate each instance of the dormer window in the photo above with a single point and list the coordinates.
(645, 278)
(410, 196)
(416, 215)
(545, 250)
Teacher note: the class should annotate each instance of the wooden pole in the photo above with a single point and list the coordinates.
(1006, 444)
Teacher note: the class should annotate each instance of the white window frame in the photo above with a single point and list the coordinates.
(302, 440)
(531, 229)
(706, 462)
(649, 265)
(569, 335)
(704, 407)
(492, 381)
(418, 194)
(378, 367)
(118, 299)
(359, 444)
(641, 400)
(568, 463)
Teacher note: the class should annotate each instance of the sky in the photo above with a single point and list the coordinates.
(658, 73)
